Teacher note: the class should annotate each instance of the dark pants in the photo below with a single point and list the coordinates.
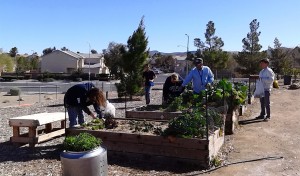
(265, 105)
(147, 94)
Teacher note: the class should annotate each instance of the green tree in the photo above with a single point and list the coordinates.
(113, 58)
(48, 50)
(93, 51)
(134, 58)
(278, 57)
(248, 59)
(6, 62)
(13, 52)
(22, 64)
(64, 49)
(211, 49)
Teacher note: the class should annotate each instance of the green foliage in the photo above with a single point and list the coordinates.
(211, 49)
(14, 91)
(13, 52)
(133, 60)
(6, 62)
(81, 142)
(113, 59)
(215, 162)
(48, 50)
(190, 124)
(280, 62)
(249, 58)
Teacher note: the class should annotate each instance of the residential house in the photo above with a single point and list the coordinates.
(60, 61)
(181, 65)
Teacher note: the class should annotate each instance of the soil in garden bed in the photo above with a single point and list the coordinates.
(129, 126)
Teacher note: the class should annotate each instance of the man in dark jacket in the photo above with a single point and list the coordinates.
(172, 88)
(77, 100)
(149, 77)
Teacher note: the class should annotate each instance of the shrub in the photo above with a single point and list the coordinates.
(81, 142)
(15, 91)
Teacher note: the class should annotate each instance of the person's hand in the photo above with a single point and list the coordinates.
(93, 115)
(208, 86)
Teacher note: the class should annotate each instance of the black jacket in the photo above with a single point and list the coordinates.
(77, 96)
(171, 90)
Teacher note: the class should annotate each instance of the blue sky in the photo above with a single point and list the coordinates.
(33, 25)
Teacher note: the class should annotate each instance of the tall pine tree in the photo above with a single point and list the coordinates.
(134, 58)
(211, 49)
(248, 59)
(278, 56)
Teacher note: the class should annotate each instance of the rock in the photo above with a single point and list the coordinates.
(294, 86)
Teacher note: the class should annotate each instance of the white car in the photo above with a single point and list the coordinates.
(156, 71)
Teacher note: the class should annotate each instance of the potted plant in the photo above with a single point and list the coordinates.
(83, 155)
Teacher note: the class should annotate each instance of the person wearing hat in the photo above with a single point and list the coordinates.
(266, 75)
(201, 75)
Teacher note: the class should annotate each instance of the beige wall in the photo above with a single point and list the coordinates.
(58, 61)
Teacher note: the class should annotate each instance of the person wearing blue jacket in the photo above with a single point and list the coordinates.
(201, 76)
(78, 98)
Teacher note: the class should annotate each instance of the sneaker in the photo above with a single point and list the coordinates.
(260, 117)
(266, 119)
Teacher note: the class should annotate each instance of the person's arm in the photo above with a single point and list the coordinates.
(98, 110)
(85, 108)
(268, 77)
(210, 76)
(187, 79)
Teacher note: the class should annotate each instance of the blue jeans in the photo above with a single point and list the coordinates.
(147, 94)
(73, 113)
(265, 104)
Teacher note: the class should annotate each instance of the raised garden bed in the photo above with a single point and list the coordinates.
(155, 112)
(194, 151)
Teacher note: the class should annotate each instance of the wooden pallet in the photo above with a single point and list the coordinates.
(32, 122)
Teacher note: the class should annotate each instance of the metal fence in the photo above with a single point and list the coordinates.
(42, 92)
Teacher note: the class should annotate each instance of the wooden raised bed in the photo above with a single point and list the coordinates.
(194, 151)
(154, 114)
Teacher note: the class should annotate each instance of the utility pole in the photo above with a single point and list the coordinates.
(89, 61)
(187, 52)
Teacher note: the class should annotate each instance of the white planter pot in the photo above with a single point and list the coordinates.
(88, 163)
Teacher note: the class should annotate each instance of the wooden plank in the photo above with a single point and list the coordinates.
(161, 160)
(63, 124)
(36, 119)
(50, 135)
(48, 128)
(16, 131)
(157, 150)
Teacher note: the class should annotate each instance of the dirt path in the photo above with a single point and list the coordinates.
(278, 137)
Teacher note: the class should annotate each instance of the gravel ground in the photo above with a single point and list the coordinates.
(44, 158)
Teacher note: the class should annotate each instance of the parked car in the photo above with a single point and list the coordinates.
(156, 71)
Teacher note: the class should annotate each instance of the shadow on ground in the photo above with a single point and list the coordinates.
(249, 121)
(10, 152)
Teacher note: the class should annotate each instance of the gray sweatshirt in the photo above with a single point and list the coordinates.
(267, 77)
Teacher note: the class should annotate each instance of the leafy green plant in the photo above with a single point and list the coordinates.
(81, 142)
(189, 125)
